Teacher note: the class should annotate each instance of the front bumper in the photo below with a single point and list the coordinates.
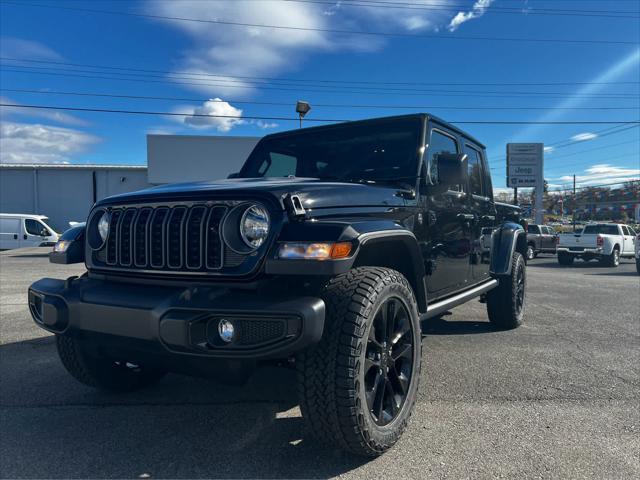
(177, 320)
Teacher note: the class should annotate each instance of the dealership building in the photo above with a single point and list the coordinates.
(65, 193)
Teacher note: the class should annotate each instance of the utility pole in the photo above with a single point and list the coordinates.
(573, 210)
(515, 196)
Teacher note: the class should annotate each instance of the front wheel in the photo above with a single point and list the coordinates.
(358, 386)
(505, 303)
(95, 370)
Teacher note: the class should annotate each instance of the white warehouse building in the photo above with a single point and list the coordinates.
(66, 193)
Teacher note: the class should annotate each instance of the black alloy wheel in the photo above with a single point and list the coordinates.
(388, 361)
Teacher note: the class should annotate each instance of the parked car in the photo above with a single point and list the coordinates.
(607, 242)
(24, 230)
(325, 252)
(540, 239)
(638, 253)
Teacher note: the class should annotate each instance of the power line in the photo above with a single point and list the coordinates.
(289, 104)
(307, 80)
(467, 122)
(443, 93)
(326, 30)
(631, 180)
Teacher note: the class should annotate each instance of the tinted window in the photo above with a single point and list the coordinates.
(632, 231)
(603, 229)
(33, 227)
(475, 170)
(376, 151)
(440, 143)
(533, 229)
(625, 230)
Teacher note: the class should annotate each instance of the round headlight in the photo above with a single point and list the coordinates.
(254, 226)
(103, 226)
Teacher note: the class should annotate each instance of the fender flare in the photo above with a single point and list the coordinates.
(505, 240)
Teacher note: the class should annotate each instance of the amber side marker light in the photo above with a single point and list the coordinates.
(314, 250)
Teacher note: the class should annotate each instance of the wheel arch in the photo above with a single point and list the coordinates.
(398, 250)
(508, 238)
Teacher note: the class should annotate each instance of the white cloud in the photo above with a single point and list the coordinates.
(266, 125)
(51, 115)
(583, 137)
(196, 116)
(603, 173)
(255, 51)
(36, 143)
(549, 149)
(478, 9)
(18, 48)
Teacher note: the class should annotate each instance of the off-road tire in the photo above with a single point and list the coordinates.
(531, 252)
(506, 302)
(612, 260)
(101, 372)
(331, 375)
(565, 258)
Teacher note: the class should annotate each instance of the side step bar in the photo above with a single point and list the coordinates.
(448, 303)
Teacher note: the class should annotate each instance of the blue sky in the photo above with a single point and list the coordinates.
(426, 66)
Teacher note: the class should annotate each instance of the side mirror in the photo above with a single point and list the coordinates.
(234, 175)
(448, 170)
(44, 232)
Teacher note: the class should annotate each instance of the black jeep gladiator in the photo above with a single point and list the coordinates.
(325, 252)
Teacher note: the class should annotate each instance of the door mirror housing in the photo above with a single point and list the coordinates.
(44, 232)
(448, 169)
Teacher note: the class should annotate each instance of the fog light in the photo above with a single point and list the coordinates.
(226, 330)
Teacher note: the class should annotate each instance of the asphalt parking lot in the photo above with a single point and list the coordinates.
(556, 398)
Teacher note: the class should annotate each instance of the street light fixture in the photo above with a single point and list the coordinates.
(302, 108)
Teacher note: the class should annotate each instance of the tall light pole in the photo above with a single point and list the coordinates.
(302, 108)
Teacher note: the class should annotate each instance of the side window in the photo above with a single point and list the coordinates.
(33, 227)
(488, 186)
(533, 229)
(278, 165)
(625, 230)
(632, 231)
(440, 143)
(474, 170)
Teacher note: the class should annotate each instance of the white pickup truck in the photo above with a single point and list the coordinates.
(607, 242)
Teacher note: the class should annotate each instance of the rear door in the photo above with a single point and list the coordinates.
(480, 206)
(10, 231)
(548, 238)
(447, 243)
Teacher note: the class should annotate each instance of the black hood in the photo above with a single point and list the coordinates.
(313, 193)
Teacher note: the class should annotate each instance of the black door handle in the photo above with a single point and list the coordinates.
(25, 236)
(15, 236)
(467, 217)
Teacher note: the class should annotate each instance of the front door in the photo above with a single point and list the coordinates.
(446, 240)
(34, 234)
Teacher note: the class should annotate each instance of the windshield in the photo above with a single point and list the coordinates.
(602, 229)
(366, 152)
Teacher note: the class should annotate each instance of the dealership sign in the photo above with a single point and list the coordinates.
(524, 164)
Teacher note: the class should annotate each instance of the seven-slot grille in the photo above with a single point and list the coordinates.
(176, 238)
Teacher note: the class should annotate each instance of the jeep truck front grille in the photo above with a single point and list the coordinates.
(180, 238)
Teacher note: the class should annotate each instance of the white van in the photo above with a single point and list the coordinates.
(22, 230)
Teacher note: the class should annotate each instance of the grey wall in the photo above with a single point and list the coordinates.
(188, 158)
(63, 194)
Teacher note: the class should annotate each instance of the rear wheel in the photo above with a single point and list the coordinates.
(612, 260)
(531, 252)
(565, 258)
(96, 370)
(358, 386)
(505, 303)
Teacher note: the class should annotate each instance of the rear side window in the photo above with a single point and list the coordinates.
(474, 169)
(533, 229)
(440, 143)
(601, 229)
